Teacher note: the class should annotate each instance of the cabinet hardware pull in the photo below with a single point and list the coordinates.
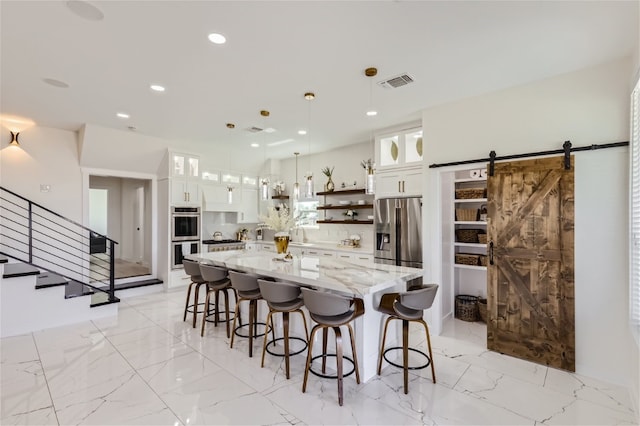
(402, 186)
(399, 187)
(491, 253)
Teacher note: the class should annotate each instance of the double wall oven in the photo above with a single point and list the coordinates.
(185, 233)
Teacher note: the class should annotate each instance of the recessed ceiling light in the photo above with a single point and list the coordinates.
(55, 83)
(217, 38)
(302, 132)
(372, 113)
(85, 10)
(255, 145)
(157, 88)
(269, 130)
(122, 115)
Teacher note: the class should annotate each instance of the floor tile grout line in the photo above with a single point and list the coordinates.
(44, 374)
(141, 378)
(223, 368)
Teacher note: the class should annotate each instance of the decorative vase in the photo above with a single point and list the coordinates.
(330, 185)
(281, 240)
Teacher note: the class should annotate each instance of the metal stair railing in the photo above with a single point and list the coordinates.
(47, 240)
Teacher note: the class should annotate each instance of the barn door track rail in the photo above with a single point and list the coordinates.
(566, 150)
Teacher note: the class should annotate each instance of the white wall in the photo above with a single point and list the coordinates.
(587, 107)
(46, 156)
(346, 161)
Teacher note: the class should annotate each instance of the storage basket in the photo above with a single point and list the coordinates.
(482, 238)
(467, 235)
(469, 215)
(467, 259)
(469, 193)
(482, 260)
(466, 307)
(482, 309)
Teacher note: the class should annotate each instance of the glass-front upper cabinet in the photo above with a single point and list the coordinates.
(185, 165)
(230, 178)
(399, 149)
(211, 177)
(249, 181)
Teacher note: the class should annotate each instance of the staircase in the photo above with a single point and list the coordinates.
(54, 271)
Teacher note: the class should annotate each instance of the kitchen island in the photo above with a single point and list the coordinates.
(365, 280)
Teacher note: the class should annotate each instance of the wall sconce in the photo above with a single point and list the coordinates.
(14, 139)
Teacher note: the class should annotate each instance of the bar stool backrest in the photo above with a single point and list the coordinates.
(191, 268)
(278, 291)
(325, 304)
(243, 282)
(212, 273)
(420, 299)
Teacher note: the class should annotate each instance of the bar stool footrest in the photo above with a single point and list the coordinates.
(273, 343)
(267, 330)
(199, 310)
(325, 376)
(419, 367)
(222, 319)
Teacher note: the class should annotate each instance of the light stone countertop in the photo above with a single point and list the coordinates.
(332, 274)
(321, 245)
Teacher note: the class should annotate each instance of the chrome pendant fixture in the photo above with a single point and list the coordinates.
(296, 185)
(369, 166)
(264, 182)
(230, 194)
(308, 184)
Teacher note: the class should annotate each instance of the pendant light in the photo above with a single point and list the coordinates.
(230, 126)
(296, 186)
(369, 165)
(264, 182)
(308, 183)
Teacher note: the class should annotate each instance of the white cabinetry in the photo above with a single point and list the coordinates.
(399, 183)
(249, 206)
(399, 149)
(320, 252)
(399, 164)
(185, 179)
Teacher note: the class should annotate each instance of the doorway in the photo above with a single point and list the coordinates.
(120, 207)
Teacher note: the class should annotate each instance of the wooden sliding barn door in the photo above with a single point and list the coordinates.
(531, 281)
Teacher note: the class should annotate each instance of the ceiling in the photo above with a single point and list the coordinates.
(276, 51)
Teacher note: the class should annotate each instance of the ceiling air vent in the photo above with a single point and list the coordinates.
(397, 81)
(254, 129)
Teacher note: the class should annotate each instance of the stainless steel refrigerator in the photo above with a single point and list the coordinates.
(398, 231)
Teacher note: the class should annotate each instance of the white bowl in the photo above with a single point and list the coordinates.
(344, 203)
(361, 202)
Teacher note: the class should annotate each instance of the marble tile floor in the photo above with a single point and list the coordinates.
(146, 366)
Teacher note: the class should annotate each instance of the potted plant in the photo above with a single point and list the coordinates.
(329, 186)
(280, 221)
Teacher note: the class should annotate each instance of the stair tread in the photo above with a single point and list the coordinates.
(12, 270)
(134, 284)
(99, 299)
(49, 279)
(77, 289)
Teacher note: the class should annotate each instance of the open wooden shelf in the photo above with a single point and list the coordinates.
(342, 192)
(280, 197)
(353, 222)
(347, 207)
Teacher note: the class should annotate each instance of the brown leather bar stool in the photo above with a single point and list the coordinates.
(217, 281)
(282, 298)
(192, 269)
(247, 288)
(330, 310)
(408, 307)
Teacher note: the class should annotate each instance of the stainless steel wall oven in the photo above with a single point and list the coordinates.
(185, 223)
